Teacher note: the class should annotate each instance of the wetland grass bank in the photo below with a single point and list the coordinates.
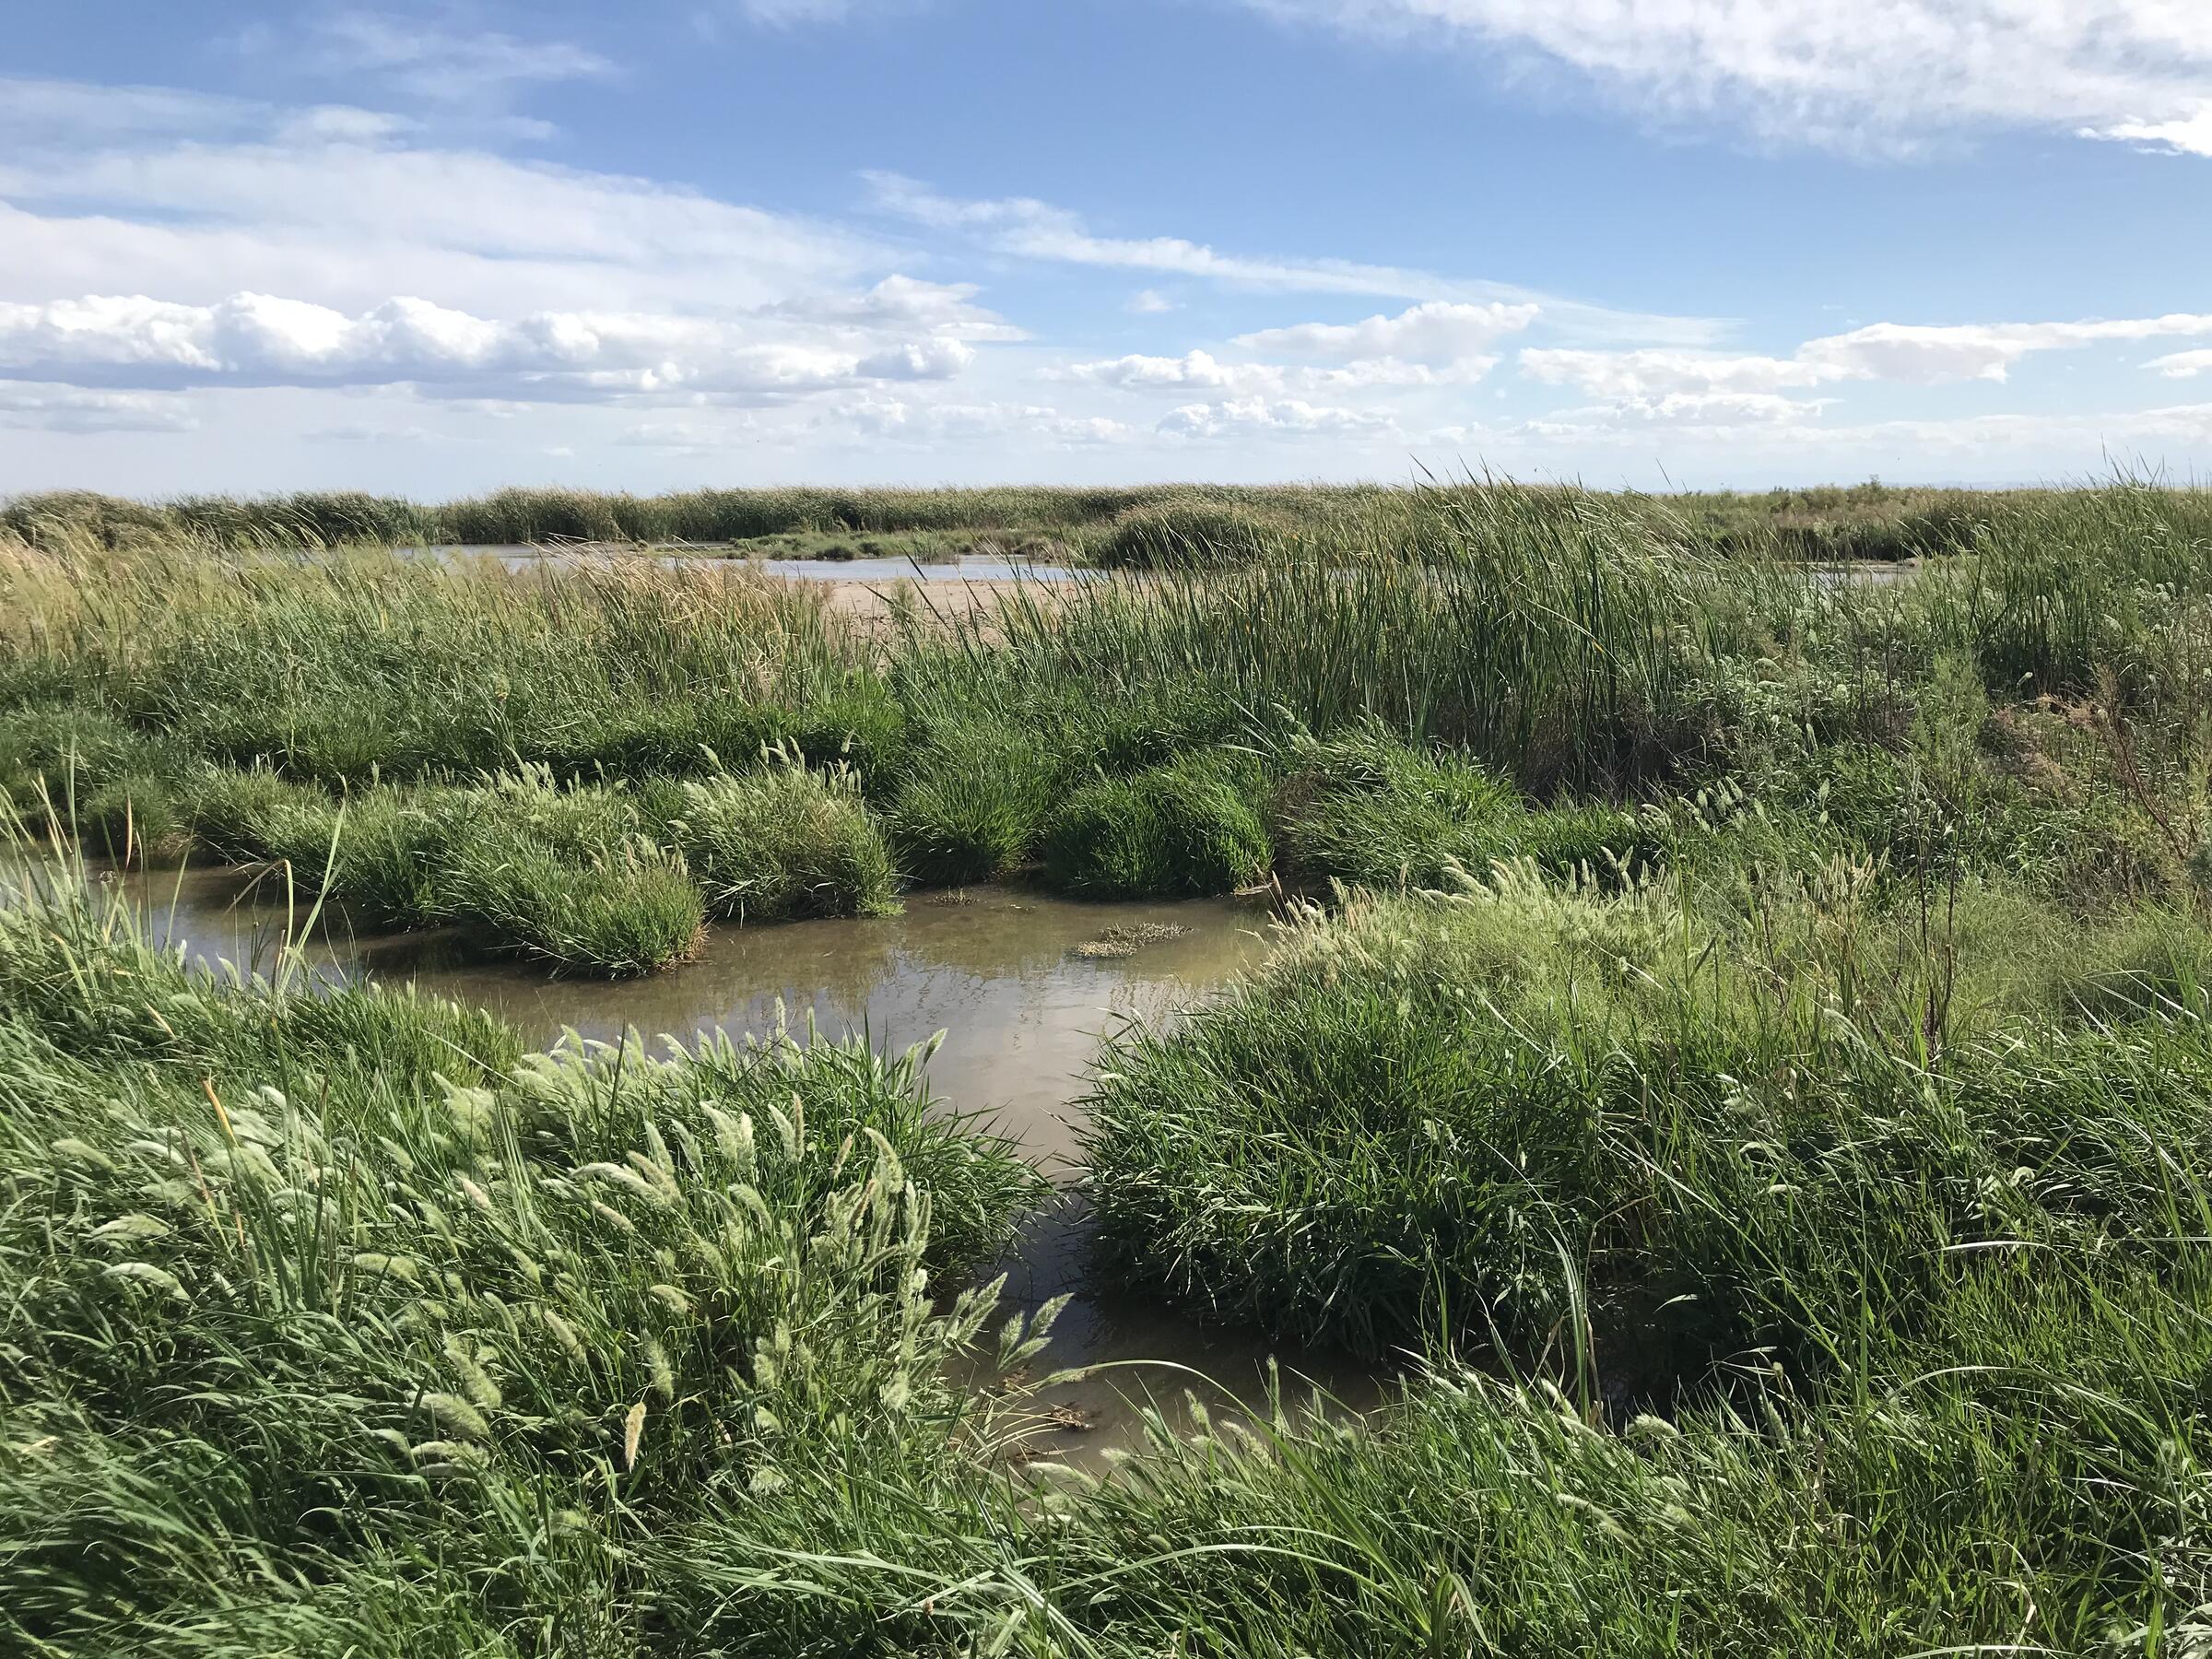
(1733, 1047)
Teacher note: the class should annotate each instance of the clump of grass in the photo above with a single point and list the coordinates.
(49, 749)
(1367, 809)
(84, 976)
(247, 815)
(1422, 1116)
(136, 817)
(970, 803)
(1186, 828)
(634, 911)
(1198, 531)
(786, 842)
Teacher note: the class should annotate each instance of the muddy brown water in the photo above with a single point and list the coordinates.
(996, 971)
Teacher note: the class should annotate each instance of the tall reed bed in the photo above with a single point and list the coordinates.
(1563, 643)
(1138, 525)
(1530, 647)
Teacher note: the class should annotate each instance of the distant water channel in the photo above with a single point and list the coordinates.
(967, 566)
(1002, 973)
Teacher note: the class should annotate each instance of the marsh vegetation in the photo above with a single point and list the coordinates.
(1731, 1052)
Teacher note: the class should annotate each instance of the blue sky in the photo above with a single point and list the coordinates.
(1710, 243)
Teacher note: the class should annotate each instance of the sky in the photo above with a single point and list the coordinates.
(434, 249)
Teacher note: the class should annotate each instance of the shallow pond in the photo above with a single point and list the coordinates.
(1013, 978)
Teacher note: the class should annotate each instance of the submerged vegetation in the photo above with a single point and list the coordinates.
(1734, 1048)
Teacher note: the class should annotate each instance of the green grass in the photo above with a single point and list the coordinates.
(784, 843)
(634, 914)
(1366, 809)
(1743, 1047)
(1464, 1118)
(303, 1347)
(1188, 828)
(970, 801)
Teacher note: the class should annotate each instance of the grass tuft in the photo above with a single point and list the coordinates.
(785, 843)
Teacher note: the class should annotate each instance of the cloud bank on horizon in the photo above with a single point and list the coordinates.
(407, 251)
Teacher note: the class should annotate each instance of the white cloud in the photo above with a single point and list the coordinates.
(263, 340)
(1194, 369)
(59, 408)
(1733, 410)
(1258, 416)
(1883, 73)
(688, 437)
(1626, 374)
(2183, 365)
(927, 425)
(1394, 372)
(785, 13)
(1034, 230)
(945, 308)
(1975, 351)
(344, 124)
(447, 65)
(361, 432)
(260, 197)
(1910, 354)
(31, 109)
(1438, 331)
(1203, 372)
(1150, 302)
(2188, 135)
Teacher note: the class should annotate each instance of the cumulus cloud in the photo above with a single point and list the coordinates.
(1882, 73)
(357, 432)
(1905, 353)
(2183, 365)
(1733, 410)
(264, 340)
(899, 302)
(1628, 374)
(2188, 135)
(1203, 372)
(688, 437)
(898, 420)
(1150, 302)
(1437, 332)
(1259, 417)
(1198, 369)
